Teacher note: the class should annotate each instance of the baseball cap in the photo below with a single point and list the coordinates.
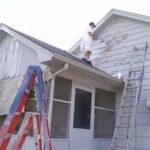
(92, 23)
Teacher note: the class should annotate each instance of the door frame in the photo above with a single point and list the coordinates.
(73, 90)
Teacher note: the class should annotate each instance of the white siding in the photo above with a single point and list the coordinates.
(101, 144)
(123, 35)
(15, 57)
(57, 144)
(28, 57)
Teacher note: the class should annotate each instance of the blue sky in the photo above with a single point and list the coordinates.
(62, 22)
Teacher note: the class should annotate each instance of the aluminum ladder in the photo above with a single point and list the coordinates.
(123, 134)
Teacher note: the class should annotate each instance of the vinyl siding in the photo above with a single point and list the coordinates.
(123, 35)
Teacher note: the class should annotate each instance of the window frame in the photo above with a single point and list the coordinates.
(53, 99)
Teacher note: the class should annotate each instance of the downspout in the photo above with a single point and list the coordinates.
(60, 71)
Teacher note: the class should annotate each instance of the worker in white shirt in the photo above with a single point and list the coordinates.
(87, 42)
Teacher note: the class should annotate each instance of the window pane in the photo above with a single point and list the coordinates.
(104, 120)
(82, 111)
(60, 120)
(104, 124)
(105, 99)
(62, 89)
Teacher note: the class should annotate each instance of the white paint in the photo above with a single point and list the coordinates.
(101, 144)
(80, 139)
(29, 144)
(15, 57)
(8, 57)
(28, 57)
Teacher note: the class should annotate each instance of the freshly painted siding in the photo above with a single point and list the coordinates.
(121, 36)
(15, 57)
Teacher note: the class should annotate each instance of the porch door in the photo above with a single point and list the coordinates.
(81, 121)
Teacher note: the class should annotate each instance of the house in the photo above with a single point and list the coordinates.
(82, 99)
(124, 33)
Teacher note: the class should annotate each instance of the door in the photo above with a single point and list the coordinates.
(81, 120)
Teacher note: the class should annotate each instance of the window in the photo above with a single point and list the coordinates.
(61, 108)
(82, 111)
(62, 89)
(60, 119)
(104, 114)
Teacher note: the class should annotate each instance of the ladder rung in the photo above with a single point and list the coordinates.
(135, 70)
(127, 106)
(125, 116)
(24, 132)
(8, 135)
(32, 98)
(133, 79)
(121, 137)
(123, 126)
(130, 96)
(17, 113)
(129, 100)
(132, 87)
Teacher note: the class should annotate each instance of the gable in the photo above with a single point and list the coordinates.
(120, 36)
(114, 17)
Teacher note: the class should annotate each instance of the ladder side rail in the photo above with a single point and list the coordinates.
(37, 132)
(43, 110)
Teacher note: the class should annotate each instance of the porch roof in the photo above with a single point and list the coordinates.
(67, 57)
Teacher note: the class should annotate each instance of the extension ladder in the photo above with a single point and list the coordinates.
(123, 134)
(30, 119)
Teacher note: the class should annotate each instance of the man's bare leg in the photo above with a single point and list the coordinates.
(88, 55)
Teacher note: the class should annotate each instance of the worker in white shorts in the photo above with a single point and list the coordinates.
(87, 42)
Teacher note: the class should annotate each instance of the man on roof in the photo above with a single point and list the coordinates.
(86, 42)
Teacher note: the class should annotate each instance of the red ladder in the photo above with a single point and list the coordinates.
(30, 119)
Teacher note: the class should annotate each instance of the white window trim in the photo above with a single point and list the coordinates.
(103, 108)
(62, 101)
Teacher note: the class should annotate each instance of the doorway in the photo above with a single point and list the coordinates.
(81, 127)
